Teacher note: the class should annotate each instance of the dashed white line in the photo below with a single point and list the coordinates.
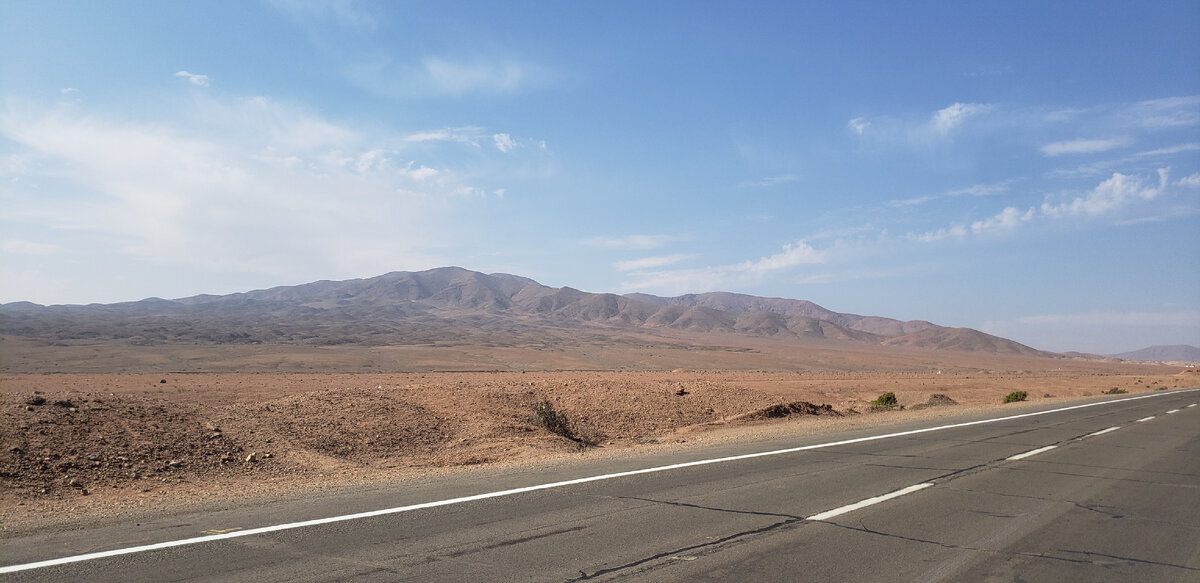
(1172, 411)
(868, 502)
(1192, 405)
(1102, 431)
(1144, 419)
(547, 486)
(1022, 456)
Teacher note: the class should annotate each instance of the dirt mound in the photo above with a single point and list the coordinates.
(780, 410)
(92, 440)
(362, 425)
(935, 400)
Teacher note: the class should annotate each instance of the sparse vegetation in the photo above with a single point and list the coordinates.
(557, 423)
(1115, 391)
(1015, 396)
(887, 399)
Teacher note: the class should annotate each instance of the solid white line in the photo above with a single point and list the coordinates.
(547, 486)
(868, 502)
(1172, 411)
(1022, 456)
(1102, 431)
(1145, 419)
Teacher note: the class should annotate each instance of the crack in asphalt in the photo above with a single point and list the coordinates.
(789, 520)
(955, 547)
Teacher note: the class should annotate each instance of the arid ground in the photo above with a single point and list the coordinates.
(82, 447)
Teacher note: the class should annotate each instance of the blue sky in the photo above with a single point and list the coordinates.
(1029, 169)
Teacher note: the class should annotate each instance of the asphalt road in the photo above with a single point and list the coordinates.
(1102, 504)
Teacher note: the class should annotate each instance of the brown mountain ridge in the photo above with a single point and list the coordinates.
(456, 305)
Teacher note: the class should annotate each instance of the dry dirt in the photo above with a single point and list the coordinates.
(77, 448)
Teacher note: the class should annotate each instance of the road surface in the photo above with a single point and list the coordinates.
(1106, 491)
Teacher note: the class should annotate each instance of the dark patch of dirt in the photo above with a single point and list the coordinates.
(935, 400)
(781, 410)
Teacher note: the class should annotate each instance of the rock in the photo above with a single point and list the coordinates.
(251, 458)
(35, 400)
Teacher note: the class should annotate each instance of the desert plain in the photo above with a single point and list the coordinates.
(86, 447)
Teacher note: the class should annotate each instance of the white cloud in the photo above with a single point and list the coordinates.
(631, 242)
(722, 276)
(1082, 146)
(504, 142)
(197, 80)
(1192, 181)
(260, 187)
(1168, 112)
(793, 254)
(952, 232)
(68, 90)
(1007, 220)
(1115, 192)
(1190, 147)
(463, 134)
(953, 116)
(650, 262)
(858, 125)
(978, 190)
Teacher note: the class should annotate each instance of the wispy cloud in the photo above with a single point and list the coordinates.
(951, 232)
(650, 262)
(1005, 221)
(1190, 181)
(858, 125)
(712, 278)
(1115, 192)
(1083, 146)
(197, 80)
(953, 116)
(504, 142)
(979, 190)
(1170, 150)
(262, 188)
(1168, 112)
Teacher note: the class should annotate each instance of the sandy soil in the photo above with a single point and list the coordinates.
(79, 448)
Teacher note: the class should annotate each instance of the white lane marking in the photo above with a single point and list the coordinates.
(1022, 456)
(1143, 419)
(1172, 411)
(868, 502)
(1102, 431)
(547, 486)
(1192, 405)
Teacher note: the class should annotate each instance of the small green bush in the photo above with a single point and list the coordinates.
(1115, 391)
(886, 400)
(1015, 396)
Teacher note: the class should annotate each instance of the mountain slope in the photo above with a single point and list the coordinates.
(456, 305)
(1171, 353)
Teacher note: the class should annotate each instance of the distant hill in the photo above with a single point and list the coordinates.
(455, 305)
(1171, 353)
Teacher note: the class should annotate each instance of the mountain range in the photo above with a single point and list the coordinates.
(456, 305)
(1171, 353)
